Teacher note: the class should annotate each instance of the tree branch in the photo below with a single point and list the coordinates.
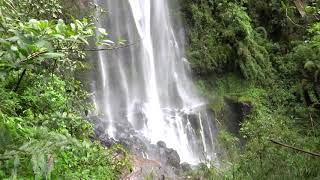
(19, 81)
(102, 49)
(37, 54)
(292, 21)
(297, 149)
(32, 56)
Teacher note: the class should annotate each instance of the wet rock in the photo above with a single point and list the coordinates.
(185, 167)
(173, 158)
(147, 168)
(194, 120)
(168, 160)
(106, 140)
(102, 136)
(167, 156)
(161, 144)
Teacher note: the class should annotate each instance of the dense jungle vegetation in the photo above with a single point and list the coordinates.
(43, 130)
(258, 63)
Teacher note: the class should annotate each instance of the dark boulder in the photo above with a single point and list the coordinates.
(173, 158)
(161, 144)
(185, 167)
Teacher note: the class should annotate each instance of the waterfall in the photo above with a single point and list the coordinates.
(145, 89)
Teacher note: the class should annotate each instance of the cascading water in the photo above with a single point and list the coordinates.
(146, 87)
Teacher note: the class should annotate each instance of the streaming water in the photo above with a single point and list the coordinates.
(146, 86)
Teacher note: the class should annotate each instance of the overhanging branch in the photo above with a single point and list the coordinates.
(101, 49)
(294, 148)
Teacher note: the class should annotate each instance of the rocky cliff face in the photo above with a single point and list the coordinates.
(160, 162)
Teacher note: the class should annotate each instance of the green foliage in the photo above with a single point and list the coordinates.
(274, 45)
(222, 39)
(40, 8)
(92, 161)
(300, 68)
(308, 54)
(43, 130)
(272, 15)
(230, 143)
(267, 122)
(275, 116)
(34, 44)
(283, 19)
(205, 171)
(150, 176)
(45, 153)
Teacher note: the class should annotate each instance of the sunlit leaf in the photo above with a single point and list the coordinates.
(53, 55)
(103, 31)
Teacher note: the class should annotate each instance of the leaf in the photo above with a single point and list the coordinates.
(43, 44)
(84, 40)
(79, 24)
(24, 52)
(73, 26)
(33, 21)
(13, 39)
(309, 65)
(3, 75)
(53, 55)
(107, 41)
(58, 36)
(60, 27)
(103, 31)
(29, 66)
(14, 48)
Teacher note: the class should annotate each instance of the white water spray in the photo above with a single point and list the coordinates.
(147, 85)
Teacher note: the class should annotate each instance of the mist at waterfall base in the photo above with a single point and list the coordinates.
(144, 90)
